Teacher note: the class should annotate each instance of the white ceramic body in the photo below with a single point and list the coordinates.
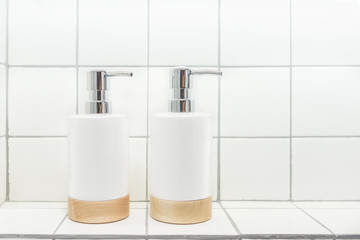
(98, 154)
(179, 160)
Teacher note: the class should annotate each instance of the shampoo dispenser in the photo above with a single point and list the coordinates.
(98, 154)
(179, 163)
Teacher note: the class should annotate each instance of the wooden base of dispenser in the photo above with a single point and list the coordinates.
(98, 211)
(181, 212)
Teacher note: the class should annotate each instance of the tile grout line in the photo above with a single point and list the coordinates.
(214, 137)
(7, 106)
(266, 200)
(147, 101)
(57, 136)
(291, 115)
(344, 136)
(166, 66)
(320, 223)
(61, 222)
(219, 108)
(226, 200)
(43, 66)
(240, 137)
(77, 56)
(174, 237)
(51, 201)
(52, 136)
(231, 220)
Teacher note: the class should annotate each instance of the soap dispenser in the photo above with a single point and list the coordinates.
(179, 160)
(98, 155)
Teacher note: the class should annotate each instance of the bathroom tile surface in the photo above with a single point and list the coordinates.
(266, 42)
(255, 102)
(258, 204)
(2, 100)
(137, 169)
(339, 160)
(50, 37)
(275, 221)
(325, 32)
(111, 35)
(28, 182)
(30, 221)
(343, 218)
(35, 205)
(325, 101)
(254, 219)
(254, 180)
(340, 221)
(178, 40)
(2, 31)
(138, 205)
(29, 113)
(328, 205)
(216, 205)
(217, 225)
(3, 164)
(133, 225)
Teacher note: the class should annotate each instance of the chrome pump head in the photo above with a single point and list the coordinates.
(98, 85)
(181, 84)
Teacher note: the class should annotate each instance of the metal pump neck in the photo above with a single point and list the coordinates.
(181, 85)
(98, 85)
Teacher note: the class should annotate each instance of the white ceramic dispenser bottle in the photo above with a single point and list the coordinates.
(179, 163)
(98, 154)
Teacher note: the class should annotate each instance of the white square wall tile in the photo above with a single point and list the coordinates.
(3, 7)
(255, 102)
(40, 100)
(132, 225)
(2, 169)
(255, 32)
(219, 224)
(127, 95)
(255, 169)
(183, 32)
(325, 32)
(326, 168)
(30, 221)
(39, 32)
(275, 221)
(326, 101)
(113, 32)
(204, 93)
(137, 162)
(2, 100)
(38, 169)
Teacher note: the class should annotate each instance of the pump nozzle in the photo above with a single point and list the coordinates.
(98, 86)
(181, 84)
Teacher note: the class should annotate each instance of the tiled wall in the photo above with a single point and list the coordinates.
(286, 112)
